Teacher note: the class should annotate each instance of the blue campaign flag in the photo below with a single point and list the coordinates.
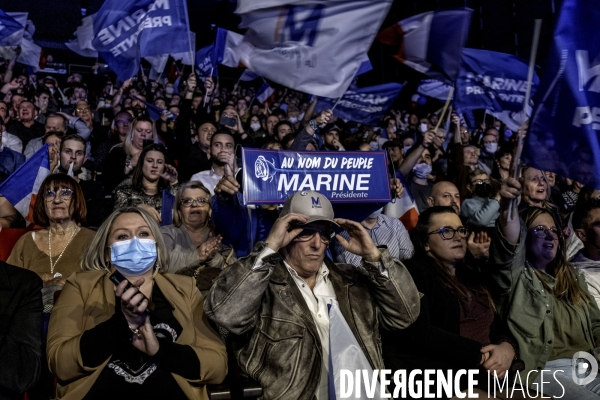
(8, 26)
(272, 176)
(155, 111)
(493, 81)
(166, 213)
(206, 62)
(366, 105)
(564, 128)
(125, 31)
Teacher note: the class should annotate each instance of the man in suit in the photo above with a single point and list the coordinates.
(20, 330)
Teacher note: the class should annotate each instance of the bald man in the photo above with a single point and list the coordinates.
(445, 194)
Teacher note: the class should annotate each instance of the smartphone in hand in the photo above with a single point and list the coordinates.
(118, 277)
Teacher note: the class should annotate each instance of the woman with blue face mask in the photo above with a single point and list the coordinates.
(144, 337)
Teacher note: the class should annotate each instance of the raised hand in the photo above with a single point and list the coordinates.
(228, 184)
(360, 242)
(284, 230)
(324, 117)
(208, 249)
(397, 187)
(170, 174)
(428, 138)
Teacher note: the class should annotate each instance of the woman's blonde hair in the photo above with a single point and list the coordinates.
(95, 257)
(179, 196)
(128, 143)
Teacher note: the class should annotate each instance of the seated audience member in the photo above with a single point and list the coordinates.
(445, 194)
(103, 342)
(480, 209)
(331, 139)
(385, 231)
(59, 123)
(535, 192)
(72, 158)
(21, 351)
(150, 177)
(282, 129)
(457, 310)
(123, 158)
(417, 164)
(502, 164)
(222, 156)
(10, 160)
(586, 224)
(545, 301)
(25, 127)
(53, 252)
(276, 300)
(192, 240)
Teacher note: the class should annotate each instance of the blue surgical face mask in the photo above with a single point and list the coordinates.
(133, 257)
(422, 170)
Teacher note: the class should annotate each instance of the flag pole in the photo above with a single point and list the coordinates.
(516, 162)
(336, 103)
(450, 94)
(206, 94)
(187, 20)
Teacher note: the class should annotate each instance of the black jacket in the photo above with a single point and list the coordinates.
(434, 340)
(20, 330)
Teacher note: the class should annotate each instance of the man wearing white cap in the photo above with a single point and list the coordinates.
(275, 301)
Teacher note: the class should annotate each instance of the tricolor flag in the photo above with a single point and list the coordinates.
(248, 76)
(21, 187)
(265, 94)
(404, 208)
(11, 31)
(431, 43)
(227, 47)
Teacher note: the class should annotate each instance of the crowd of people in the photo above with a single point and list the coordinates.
(468, 287)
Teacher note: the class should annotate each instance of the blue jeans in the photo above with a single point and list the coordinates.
(570, 389)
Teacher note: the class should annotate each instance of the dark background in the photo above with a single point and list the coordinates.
(499, 25)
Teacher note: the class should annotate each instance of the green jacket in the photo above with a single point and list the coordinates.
(528, 307)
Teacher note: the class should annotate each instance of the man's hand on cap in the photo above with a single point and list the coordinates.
(283, 231)
(360, 242)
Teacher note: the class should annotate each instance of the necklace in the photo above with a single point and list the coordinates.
(53, 264)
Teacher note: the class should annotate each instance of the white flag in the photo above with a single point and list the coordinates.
(316, 47)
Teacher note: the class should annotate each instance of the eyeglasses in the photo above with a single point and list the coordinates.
(189, 202)
(64, 194)
(441, 137)
(449, 233)
(124, 121)
(82, 110)
(542, 232)
(308, 233)
(481, 182)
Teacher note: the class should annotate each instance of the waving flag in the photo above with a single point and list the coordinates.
(124, 32)
(227, 48)
(565, 124)
(9, 30)
(21, 187)
(431, 43)
(155, 112)
(265, 93)
(315, 48)
(206, 62)
(365, 105)
(493, 81)
(404, 208)
(248, 76)
(432, 88)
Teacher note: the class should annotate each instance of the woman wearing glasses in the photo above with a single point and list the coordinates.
(191, 240)
(53, 252)
(150, 177)
(458, 327)
(545, 301)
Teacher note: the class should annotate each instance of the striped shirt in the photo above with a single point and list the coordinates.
(388, 231)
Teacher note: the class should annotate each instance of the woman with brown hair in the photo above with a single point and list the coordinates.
(53, 252)
(150, 177)
(544, 300)
(458, 327)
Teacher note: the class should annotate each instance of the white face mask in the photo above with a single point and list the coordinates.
(169, 90)
(423, 128)
(293, 120)
(491, 147)
(255, 126)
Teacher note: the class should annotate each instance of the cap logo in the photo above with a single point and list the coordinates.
(316, 202)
